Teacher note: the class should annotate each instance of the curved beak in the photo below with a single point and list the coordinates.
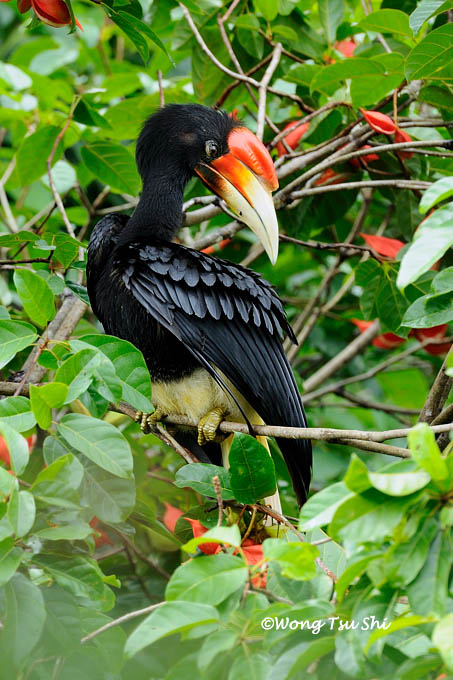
(244, 178)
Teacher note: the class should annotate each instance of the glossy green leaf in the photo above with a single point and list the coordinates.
(35, 295)
(443, 639)
(199, 477)
(438, 191)
(399, 624)
(78, 574)
(434, 237)
(267, 8)
(34, 151)
(296, 560)
(252, 470)
(68, 532)
(424, 449)
(207, 579)
(331, 14)
(387, 21)
(10, 558)
(77, 372)
(381, 297)
(172, 617)
(15, 411)
(25, 615)
(432, 57)
(99, 441)
(222, 535)
(111, 499)
(428, 591)
(14, 336)
(44, 398)
(57, 484)
(129, 366)
(17, 446)
(426, 9)
(21, 512)
(430, 310)
(330, 77)
(113, 165)
(320, 508)
(135, 29)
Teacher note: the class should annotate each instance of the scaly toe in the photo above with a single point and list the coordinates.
(148, 420)
(207, 427)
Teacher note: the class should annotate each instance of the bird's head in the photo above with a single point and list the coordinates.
(193, 139)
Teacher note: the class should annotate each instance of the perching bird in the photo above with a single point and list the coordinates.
(210, 330)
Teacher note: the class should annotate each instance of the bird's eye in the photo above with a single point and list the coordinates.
(212, 149)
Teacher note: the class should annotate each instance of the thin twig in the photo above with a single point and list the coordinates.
(263, 89)
(120, 620)
(161, 89)
(438, 393)
(218, 494)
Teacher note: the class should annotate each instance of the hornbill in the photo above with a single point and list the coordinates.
(210, 331)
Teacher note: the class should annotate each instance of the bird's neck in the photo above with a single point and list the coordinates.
(158, 214)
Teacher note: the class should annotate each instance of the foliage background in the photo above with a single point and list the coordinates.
(75, 102)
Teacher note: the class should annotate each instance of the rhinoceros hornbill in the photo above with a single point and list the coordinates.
(210, 331)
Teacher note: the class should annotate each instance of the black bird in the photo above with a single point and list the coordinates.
(210, 330)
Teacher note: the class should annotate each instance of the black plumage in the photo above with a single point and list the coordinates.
(185, 309)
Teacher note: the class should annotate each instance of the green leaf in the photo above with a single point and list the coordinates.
(406, 559)
(21, 512)
(268, 8)
(110, 498)
(113, 165)
(331, 15)
(211, 578)
(247, 666)
(225, 535)
(99, 441)
(428, 592)
(369, 516)
(129, 365)
(425, 10)
(252, 470)
(79, 575)
(443, 639)
(134, 28)
(432, 57)
(87, 114)
(10, 558)
(330, 77)
(25, 615)
(68, 532)
(170, 618)
(213, 645)
(351, 572)
(66, 249)
(409, 621)
(14, 336)
(63, 175)
(399, 483)
(77, 372)
(17, 446)
(320, 508)
(438, 191)
(443, 281)
(44, 398)
(387, 21)
(425, 451)
(35, 295)
(296, 560)
(199, 477)
(33, 154)
(15, 411)
(381, 297)
(430, 310)
(58, 482)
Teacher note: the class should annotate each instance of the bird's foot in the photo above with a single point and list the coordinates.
(207, 427)
(148, 420)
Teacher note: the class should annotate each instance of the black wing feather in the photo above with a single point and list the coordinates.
(228, 318)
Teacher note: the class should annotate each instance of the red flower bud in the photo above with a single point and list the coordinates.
(383, 341)
(368, 158)
(383, 245)
(293, 137)
(345, 47)
(51, 12)
(198, 530)
(329, 176)
(23, 5)
(171, 516)
(437, 333)
(379, 122)
(400, 137)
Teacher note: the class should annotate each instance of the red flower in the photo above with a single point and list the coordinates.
(368, 158)
(293, 137)
(171, 516)
(51, 12)
(436, 333)
(216, 247)
(402, 136)
(253, 554)
(379, 122)
(383, 245)
(198, 530)
(383, 341)
(4, 451)
(345, 47)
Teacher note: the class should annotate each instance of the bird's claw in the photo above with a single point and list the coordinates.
(148, 420)
(207, 427)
